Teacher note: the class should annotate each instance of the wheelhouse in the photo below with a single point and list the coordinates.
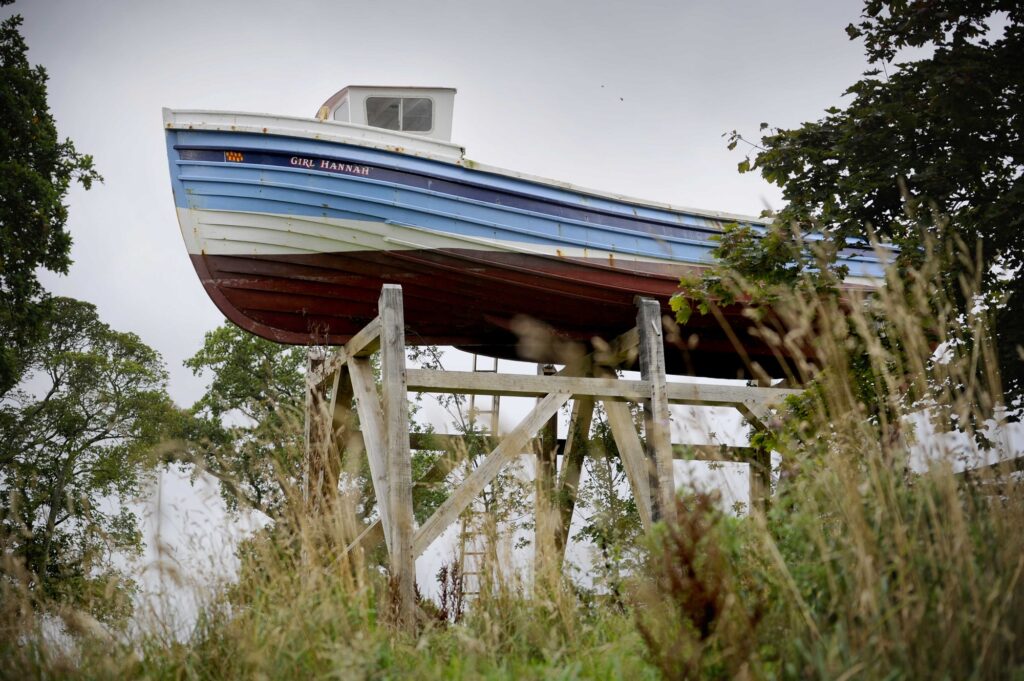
(424, 111)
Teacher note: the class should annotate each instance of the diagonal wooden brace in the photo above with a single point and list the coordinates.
(511, 446)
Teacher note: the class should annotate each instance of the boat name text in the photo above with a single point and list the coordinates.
(331, 166)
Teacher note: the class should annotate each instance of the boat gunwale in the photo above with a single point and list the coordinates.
(171, 123)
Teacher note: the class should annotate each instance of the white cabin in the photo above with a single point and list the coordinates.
(425, 111)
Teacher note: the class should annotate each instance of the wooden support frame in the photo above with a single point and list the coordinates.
(386, 440)
(657, 422)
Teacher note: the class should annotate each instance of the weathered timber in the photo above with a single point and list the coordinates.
(525, 385)
(657, 421)
(384, 434)
(546, 448)
(573, 451)
(371, 421)
(631, 452)
(363, 344)
(760, 462)
(511, 445)
(399, 456)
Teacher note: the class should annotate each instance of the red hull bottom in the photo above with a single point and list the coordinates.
(471, 299)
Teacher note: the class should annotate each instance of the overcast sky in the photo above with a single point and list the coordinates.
(631, 97)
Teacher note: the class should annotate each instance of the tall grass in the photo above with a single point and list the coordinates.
(870, 563)
(873, 562)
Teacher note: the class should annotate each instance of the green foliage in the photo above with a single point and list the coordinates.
(920, 143)
(247, 428)
(613, 525)
(75, 442)
(757, 268)
(36, 170)
(698, 612)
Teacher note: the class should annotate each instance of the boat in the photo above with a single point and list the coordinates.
(294, 224)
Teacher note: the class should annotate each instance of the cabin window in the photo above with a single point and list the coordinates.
(409, 114)
(416, 114)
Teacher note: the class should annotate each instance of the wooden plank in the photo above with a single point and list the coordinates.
(363, 344)
(510, 446)
(657, 420)
(520, 385)
(760, 481)
(545, 530)
(367, 339)
(572, 464)
(371, 537)
(631, 453)
(371, 422)
(525, 385)
(399, 456)
(760, 463)
(313, 436)
(373, 534)
(726, 395)
(713, 453)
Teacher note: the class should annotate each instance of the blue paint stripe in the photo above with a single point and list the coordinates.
(444, 171)
(274, 189)
(490, 215)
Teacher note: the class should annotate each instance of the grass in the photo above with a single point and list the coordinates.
(869, 564)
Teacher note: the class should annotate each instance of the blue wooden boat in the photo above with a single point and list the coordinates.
(293, 224)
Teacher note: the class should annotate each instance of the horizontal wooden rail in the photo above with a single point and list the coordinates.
(525, 385)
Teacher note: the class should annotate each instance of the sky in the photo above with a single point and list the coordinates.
(629, 97)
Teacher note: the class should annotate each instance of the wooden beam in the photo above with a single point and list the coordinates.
(313, 436)
(373, 534)
(572, 464)
(545, 530)
(525, 385)
(371, 422)
(510, 446)
(519, 385)
(631, 453)
(363, 344)
(713, 453)
(760, 476)
(399, 457)
(760, 462)
(657, 420)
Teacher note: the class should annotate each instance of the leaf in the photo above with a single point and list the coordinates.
(682, 308)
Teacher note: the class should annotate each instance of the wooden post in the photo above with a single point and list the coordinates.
(760, 463)
(399, 456)
(313, 468)
(657, 423)
(544, 528)
(760, 480)
(572, 463)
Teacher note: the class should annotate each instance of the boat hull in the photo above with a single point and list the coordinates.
(293, 239)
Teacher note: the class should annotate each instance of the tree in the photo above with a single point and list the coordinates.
(920, 144)
(613, 524)
(36, 170)
(247, 429)
(74, 449)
